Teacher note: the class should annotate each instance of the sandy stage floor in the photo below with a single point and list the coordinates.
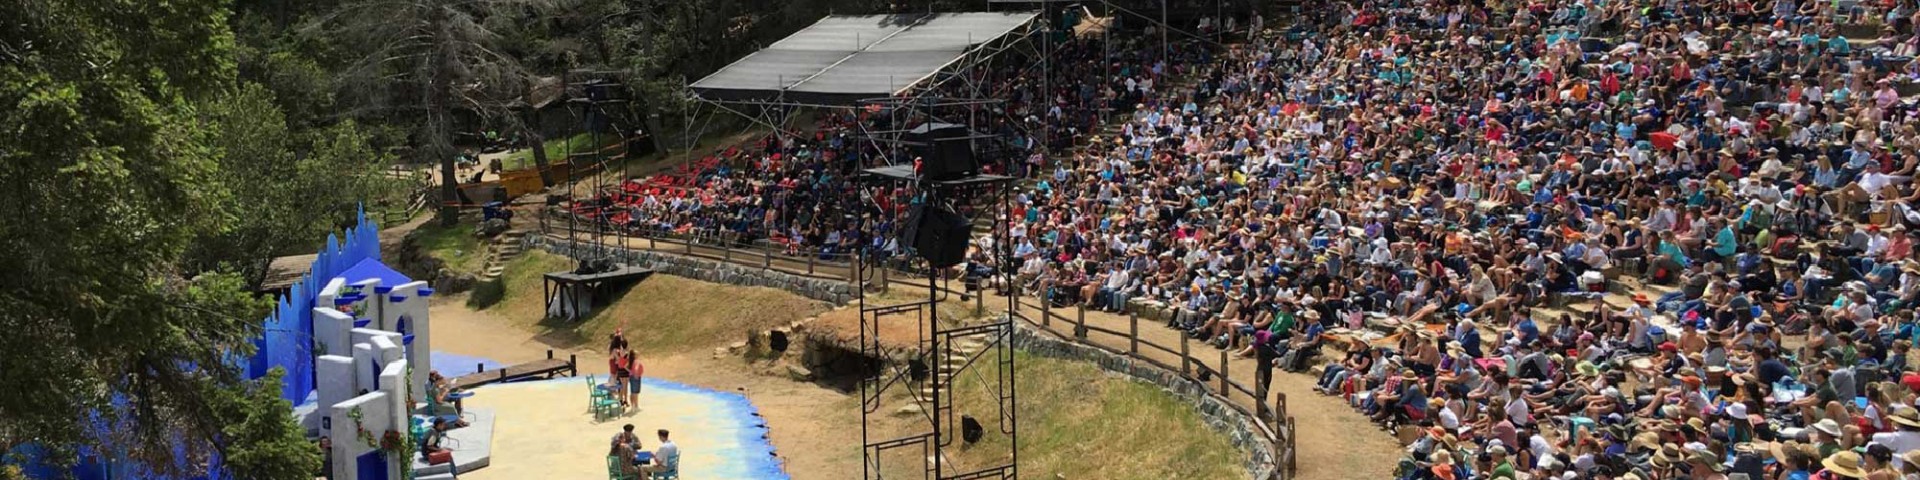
(544, 430)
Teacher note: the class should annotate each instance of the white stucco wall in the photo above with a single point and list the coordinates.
(333, 375)
(376, 416)
(330, 329)
(409, 301)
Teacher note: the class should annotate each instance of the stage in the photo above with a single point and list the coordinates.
(543, 429)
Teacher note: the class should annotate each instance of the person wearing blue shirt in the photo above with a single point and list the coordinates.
(1470, 342)
(1529, 331)
(1724, 243)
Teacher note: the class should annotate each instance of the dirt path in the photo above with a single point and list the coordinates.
(1333, 441)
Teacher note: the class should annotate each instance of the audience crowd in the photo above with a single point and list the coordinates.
(802, 193)
(1597, 239)
(1715, 195)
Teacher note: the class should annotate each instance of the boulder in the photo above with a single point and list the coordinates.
(799, 373)
(450, 281)
(490, 228)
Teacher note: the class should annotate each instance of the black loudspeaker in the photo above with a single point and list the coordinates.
(938, 234)
(945, 151)
(971, 430)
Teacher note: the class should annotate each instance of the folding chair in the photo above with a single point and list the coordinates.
(614, 471)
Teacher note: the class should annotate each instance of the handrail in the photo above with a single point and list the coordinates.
(1265, 413)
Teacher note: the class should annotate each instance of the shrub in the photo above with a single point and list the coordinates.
(486, 293)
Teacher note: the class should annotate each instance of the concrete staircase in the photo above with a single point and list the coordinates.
(947, 369)
(504, 248)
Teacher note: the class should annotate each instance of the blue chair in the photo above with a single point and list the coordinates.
(673, 473)
(601, 400)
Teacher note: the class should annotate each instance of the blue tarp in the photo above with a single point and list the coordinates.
(454, 365)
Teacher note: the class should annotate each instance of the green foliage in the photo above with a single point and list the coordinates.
(486, 293)
(284, 189)
(443, 53)
(256, 427)
(110, 173)
(559, 148)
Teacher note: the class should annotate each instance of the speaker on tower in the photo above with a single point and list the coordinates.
(945, 150)
(938, 234)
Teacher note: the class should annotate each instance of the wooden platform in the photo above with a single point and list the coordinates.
(579, 292)
(549, 368)
(623, 273)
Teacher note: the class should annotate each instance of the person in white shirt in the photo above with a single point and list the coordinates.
(666, 457)
(1906, 434)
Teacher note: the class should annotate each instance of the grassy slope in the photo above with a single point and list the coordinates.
(661, 313)
(455, 245)
(558, 149)
(1077, 421)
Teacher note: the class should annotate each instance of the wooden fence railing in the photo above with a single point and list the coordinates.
(1268, 410)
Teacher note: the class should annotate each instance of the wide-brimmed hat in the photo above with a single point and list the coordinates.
(1669, 455)
(1697, 425)
(1827, 426)
(1905, 415)
(1646, 440)
(1707, 458)
(1844, 462)
(1587, 369)
(1782, 450)
(1910, 460)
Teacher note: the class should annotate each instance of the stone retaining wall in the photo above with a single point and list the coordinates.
(837, 292)
(1263, 464)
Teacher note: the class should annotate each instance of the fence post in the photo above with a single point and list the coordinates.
(1223, 375)
(726, 251)
(1280, 407)
(1046, 308)
(1080, 321)
(689, 243)
(766, 256)
(979, 299)
(1133, 334)
(1185, 359)
(810, 265)
(1013, 288)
